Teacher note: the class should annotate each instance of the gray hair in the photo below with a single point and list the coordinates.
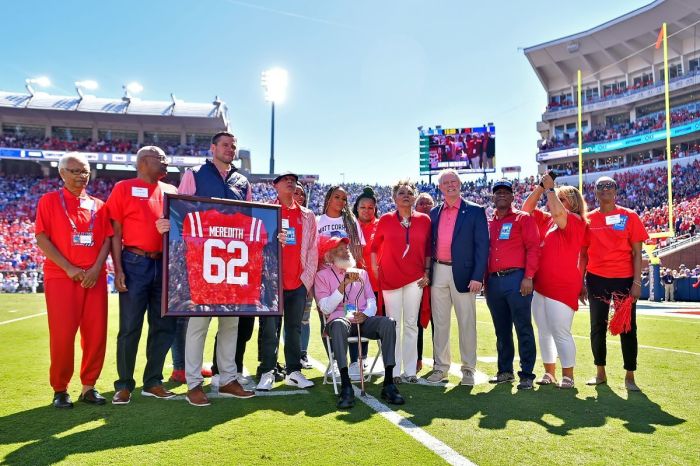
(447, 171)
(149, 150)
(68, 156)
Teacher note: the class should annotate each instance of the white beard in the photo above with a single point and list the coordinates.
(345, 264)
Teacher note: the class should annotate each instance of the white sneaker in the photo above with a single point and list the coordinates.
(243, 380)
(297, 379)
(354, 371)
(214, 384)
(332, 369)
(266, 381)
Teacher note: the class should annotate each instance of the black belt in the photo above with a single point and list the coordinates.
(504, 272)
(141, 252)
(442, 262)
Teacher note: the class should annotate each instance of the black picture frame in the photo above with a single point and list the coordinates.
(227, 251)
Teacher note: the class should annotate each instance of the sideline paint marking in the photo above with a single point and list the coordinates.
(424, 438)
(22, 318)
(640, 346)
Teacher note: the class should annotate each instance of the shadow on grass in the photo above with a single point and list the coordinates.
(55, 434)
(500, 405)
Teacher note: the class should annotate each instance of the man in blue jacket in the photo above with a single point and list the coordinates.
(460, 254)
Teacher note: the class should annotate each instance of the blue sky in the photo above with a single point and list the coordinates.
(363, 74)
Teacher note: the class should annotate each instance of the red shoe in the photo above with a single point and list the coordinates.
(206, 372)
(178, 376)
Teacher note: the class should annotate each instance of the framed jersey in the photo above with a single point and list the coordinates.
(221, 258)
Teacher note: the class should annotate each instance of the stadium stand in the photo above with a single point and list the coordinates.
(642, 190)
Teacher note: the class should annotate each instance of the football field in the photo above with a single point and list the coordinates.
(484, 424)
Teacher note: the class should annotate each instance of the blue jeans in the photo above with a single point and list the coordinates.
(509, 308)
(144, 282)
(178, 349)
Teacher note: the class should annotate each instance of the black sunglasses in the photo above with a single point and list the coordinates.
(605, 185)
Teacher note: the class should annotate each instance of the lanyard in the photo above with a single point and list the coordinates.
(347, 288)
(72, 223)
(408, 231)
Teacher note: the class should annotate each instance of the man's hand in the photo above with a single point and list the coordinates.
(358, 317)
(526, 286)
(120, 281)
(163, 225)
(474, 286)
(75, 273)
(90, 277)
(282, 237)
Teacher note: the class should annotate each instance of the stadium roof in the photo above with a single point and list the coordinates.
(609, 44)
(119, 106)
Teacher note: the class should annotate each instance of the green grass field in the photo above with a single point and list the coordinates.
(486, 424)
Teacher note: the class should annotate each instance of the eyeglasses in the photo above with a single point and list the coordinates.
(77, 171)
(605, 185)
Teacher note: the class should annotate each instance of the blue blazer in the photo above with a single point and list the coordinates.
(470, 243)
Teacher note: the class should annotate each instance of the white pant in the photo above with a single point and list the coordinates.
(197, 328)
(554, 319)
(402, 305)
(444, 295)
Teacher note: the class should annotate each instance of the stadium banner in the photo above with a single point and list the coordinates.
(221, 258)
(646, 138)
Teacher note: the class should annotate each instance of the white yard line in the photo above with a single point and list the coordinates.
(657, 348)
(22, 318)
(433, 444)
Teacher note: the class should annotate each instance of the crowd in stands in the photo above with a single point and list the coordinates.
(558, 103)
(644, 191)
(642, 125)
(116, 146)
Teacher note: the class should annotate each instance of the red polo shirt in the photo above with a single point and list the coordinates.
(609, 240)
(515, 242)
(446, 228)
(51, 220)
(291, 252)
(137, 205)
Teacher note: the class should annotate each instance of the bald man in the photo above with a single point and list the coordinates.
(137, 251)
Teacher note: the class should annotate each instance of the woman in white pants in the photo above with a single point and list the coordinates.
(558, 280)
(401, 260)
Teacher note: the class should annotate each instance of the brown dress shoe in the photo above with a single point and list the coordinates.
(197, 397)
(235, 390)
(122, 397)
(158, 391)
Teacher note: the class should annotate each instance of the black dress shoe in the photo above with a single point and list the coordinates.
(347, 398)
(391, 394)
(92, 397)
(62, 400)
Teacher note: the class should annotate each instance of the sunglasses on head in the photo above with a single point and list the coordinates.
(605, 185)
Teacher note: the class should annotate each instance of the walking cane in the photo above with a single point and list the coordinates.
(359, 344)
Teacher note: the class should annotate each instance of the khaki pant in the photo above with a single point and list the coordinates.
(444, 295)
(197, 328)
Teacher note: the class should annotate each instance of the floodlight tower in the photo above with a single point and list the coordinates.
(274, 81)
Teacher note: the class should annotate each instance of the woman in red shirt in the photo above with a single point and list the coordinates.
(612, 259)
(558, 280)
(365, 210)
(403, 237)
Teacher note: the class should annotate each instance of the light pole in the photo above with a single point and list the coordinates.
(274, 81)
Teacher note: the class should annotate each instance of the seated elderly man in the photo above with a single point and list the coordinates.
(344, 294)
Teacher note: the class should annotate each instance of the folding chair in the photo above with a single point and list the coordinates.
(329, 376)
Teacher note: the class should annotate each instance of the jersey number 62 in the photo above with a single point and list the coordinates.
(216, 270)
